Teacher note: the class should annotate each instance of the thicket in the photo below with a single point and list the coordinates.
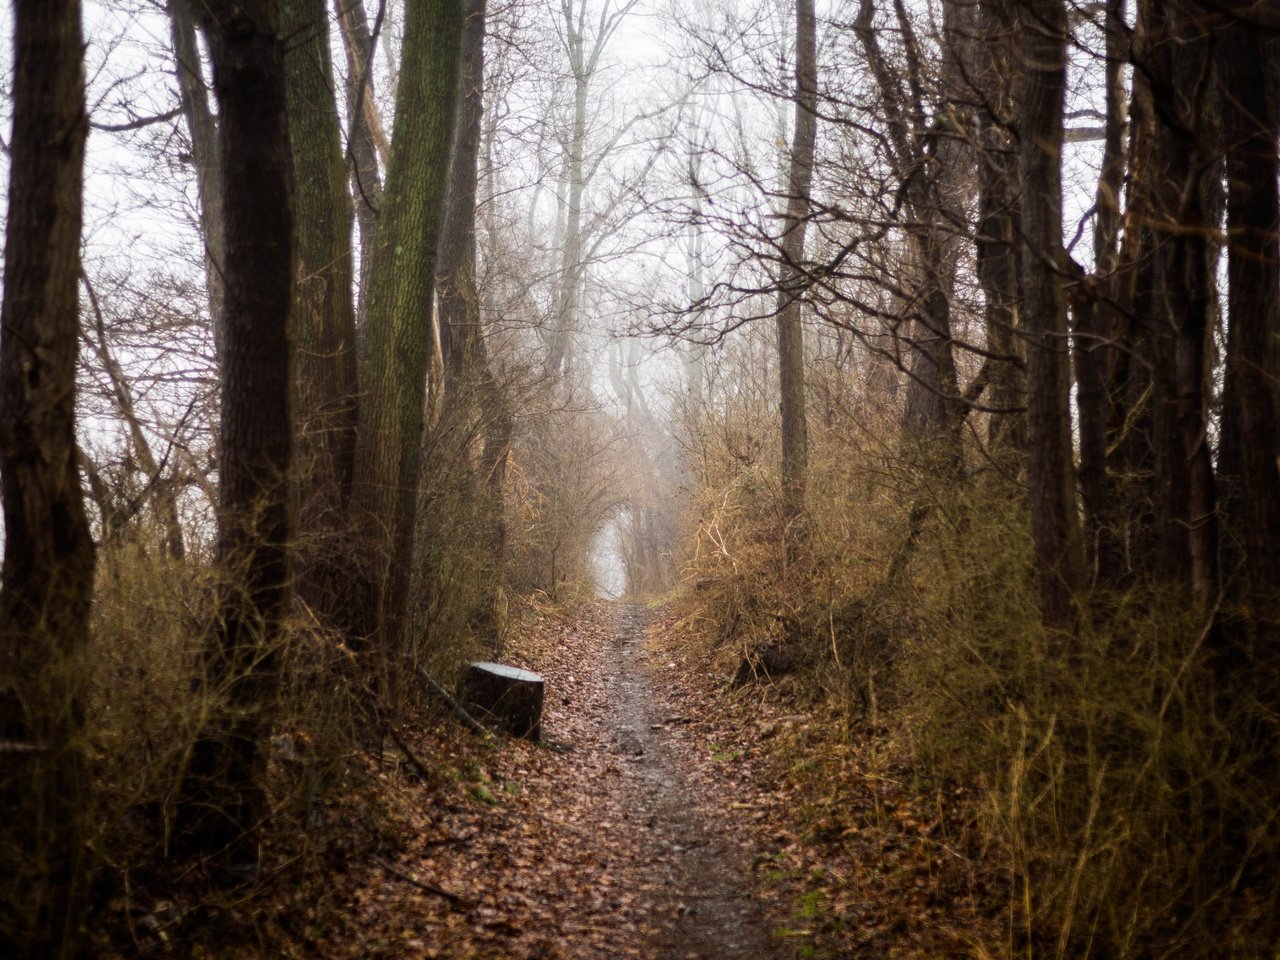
(339, 724)
(1124, 778)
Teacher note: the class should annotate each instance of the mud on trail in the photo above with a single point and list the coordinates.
(623, 836)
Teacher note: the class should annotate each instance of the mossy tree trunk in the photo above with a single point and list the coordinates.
(223, 804)
(397, 328)
(48, 549)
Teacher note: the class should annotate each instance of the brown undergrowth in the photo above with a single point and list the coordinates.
(865, 855)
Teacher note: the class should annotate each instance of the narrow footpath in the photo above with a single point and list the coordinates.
(621, 836)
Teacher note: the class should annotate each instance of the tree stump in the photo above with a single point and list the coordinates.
(508, 697)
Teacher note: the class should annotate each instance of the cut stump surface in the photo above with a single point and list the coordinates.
(508, 697)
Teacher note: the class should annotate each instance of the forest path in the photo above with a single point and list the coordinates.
(685, 859)
(623, 838)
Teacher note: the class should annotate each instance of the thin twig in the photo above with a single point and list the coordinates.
(453, 898)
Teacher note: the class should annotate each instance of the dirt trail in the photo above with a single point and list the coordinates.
(699, 879)
(619, 840)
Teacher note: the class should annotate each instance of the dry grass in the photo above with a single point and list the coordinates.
(1123, 785)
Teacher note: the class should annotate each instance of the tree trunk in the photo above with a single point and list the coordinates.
(1094, 311)
(48, 549)
(559, 358)
(1251, 394)
(323, 314)
(202, 128)
(397, 334)
(1049, 463)
(223, 805)
(362, 152)
(473, 401)
(928, 163)
(791, 279)
(1166, 504)
(996, 245)
(456, 294)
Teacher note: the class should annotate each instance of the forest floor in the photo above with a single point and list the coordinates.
(663, 817)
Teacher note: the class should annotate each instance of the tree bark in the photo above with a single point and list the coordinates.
(397, 333)
(48, 549)
(791, 279)
(323, 313)
(1049, 463)
(223, 805)
(362, 153)
(997, 260)
(202, 128)
(1250, 452)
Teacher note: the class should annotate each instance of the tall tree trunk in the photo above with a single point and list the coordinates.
(397, 332)
(996, 244)
(362, 150)
(559, 358)
(795, 430)
(1094, 311)
(202, 128)
(1050, 465)
(323, 314)
(48, 549)
(473, 400)
(928, 160)
(224, 804)
(1167, 503)
(456, 293)
(1250, 460)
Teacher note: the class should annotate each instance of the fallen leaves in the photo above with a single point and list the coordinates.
(665, 817)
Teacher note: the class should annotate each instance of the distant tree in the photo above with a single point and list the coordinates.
(206, 156)
(795, 433)
(364, 133)
(584, 46)
(48, 549)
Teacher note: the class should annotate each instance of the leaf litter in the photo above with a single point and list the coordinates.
(663, 818)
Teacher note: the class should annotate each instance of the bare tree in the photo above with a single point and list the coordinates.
(795, 440)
